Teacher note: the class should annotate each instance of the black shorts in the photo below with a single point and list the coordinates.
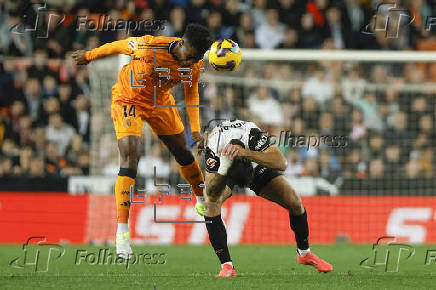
(262, 176)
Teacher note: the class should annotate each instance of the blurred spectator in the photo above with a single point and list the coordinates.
(66, 108)
(290, 39)
(290, 12)
(271, 33)
(59, 133)
(246, 26)
(177, 23)
(82, 82)
(39, 68)
(329, 166)
(83, 117)
(376, 168)
(358, 129)
(10, 149)
(326, 124)
(339, 32)
(25, 130)
(368, 105)
(51, 106)
(376, 146)
(341, 117)
(33, 97)
(393, 160)
(295, 165)
(426, 158)
(54, 162)
(197, 11)
(318, 87)
(74, 149)
(311, 168)
(419, 108)
(13, 41)
(83, 163)
(265, 107)
(413, 169)
(81, 35)
(161, 8)
(258, 12)
(39, 139)
(37, 167)
(217, 30)
(355, 15)
(317, 8)
(310, 113)
(5, 166)
(231, 14)
(309, 36)
(399, 133)
(26, 154)
(49, 87)
(7, 92)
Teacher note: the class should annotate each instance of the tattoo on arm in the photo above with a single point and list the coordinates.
(216, 186)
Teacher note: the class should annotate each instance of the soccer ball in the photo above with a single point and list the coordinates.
(225, 55)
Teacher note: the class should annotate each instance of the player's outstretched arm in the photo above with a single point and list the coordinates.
(125, 46)
(270, 158)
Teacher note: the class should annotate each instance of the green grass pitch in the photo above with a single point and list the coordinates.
(194, 267)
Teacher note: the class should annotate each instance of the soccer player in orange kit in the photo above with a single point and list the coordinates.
(158, 64)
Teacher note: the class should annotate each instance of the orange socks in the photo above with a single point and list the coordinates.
(193, 175)
(125, 179)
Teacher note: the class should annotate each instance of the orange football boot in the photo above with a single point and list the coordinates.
(227, 271)
(313, 260)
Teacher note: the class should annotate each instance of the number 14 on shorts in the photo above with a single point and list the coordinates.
(129, 112)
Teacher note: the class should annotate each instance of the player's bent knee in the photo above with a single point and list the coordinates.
(183, 156)
(213, 208)
(295, 205)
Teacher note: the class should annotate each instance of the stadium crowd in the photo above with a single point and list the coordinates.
(44, 98)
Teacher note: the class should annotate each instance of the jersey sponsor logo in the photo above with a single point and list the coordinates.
(132, 44)
(211, 162)
(261, 142)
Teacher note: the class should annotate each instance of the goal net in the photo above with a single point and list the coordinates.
(357, 129)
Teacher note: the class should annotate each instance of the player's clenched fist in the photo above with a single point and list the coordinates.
(79, 57)
(231, 151)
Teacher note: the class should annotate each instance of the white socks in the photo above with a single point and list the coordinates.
(122, 228)
(229, 263)
(303, 252)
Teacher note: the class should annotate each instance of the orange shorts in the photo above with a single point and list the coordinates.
(129, 119)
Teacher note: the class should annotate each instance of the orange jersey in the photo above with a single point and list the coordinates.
(153, 71)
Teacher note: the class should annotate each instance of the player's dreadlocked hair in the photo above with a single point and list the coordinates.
(199, 37)
(241, 172)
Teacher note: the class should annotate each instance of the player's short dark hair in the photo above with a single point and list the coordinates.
(199, 37)
(241, 172)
